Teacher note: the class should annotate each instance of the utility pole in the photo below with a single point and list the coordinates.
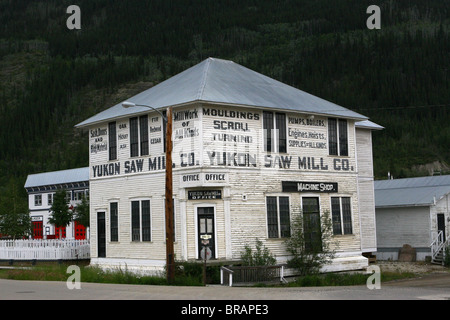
(170, 259)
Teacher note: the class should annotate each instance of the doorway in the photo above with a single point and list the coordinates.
(441, 224)
(311, 224)
(101, 235)
(206, 232)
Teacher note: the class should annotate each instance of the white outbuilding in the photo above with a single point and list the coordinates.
(41, 188)
(414, 212)
(249, 154)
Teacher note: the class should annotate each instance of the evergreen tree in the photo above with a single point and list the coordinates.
(60, 216)
(15, 221)
(82, 212)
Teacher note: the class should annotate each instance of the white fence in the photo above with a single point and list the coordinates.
(44, 249)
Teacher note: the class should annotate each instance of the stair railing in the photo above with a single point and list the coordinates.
(437, 245)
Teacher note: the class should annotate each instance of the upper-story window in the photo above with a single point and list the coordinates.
(112, 141)
(337, 137)
(38, 200)
(50, 199)
(139, 136)
(274, 125)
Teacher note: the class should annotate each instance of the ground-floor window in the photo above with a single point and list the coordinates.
(114, 221)
(278, 217)
(341, 215)
(140, 220)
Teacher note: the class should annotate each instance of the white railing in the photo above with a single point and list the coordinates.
(65, 249)
(438, 244)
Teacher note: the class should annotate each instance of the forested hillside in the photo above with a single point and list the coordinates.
(51, 77)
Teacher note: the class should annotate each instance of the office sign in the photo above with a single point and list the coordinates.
(205, 194)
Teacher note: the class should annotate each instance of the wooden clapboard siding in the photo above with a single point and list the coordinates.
(238, 221)
(366, 190)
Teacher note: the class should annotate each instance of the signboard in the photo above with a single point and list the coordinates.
(205, 195)
(309, 186)
(205, 253)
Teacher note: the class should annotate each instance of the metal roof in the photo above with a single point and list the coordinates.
(421, 191)
(57, 177)
(367, 124)
(225, 82)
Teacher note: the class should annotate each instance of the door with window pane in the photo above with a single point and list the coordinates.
(311, 224)
(206, 229)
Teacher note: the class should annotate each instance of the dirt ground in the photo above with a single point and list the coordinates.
(419, 267)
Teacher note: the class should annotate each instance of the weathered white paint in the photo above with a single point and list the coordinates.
(247, 174)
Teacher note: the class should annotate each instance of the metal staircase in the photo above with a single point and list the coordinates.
(438, 248)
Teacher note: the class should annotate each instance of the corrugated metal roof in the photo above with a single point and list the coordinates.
(225, 82)
(411, 191)
(57, 177)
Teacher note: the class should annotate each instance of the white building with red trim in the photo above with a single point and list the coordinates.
(41, 188)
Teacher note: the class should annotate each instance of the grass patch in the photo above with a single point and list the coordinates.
(188, 274)
(344, 279)
(88, 274)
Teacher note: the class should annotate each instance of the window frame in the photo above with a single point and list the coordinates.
(274, 132)
(139, 219)
(338, 137)
(343, 218)
(112, 139)
(38, 200)
(114, 222)
(281, 229)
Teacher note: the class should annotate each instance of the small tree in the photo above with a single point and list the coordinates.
(60, 216)
(310, 252)
(15, 221)
(82, 212)
(261, 257)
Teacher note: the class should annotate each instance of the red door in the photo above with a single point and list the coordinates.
(80, 231)
(59, 230)
(37, 230)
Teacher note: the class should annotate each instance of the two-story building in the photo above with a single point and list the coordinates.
(249, 153)
(41, 188)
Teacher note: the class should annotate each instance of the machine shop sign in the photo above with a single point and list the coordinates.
(309, 186)
(205, 195)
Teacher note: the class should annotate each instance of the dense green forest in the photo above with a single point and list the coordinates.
(52, 78)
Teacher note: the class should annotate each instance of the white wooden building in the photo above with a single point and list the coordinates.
(413, 211)
(41, 188)
(249, 153)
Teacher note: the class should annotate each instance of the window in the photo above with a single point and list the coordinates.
(112, 141)
(38, 200)
(337, 137)
(278, 218)
(134, 137)
(139, 136)
(274, 125)
(341, 215)
(68, 196)
(114, 221)
(50, 199)
(78, 195)
(140, 220)
(143, 127)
